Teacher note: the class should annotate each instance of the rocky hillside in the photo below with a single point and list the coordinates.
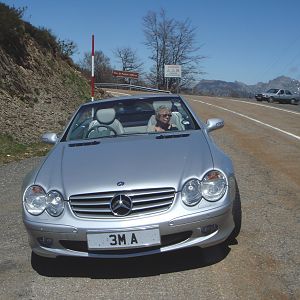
(39, 87)
(39, 97)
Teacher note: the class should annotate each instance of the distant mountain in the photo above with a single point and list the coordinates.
(240, 89)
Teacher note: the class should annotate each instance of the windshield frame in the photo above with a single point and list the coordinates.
(119, 103)
(273, 91)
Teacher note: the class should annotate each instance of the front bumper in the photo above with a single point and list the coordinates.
(177, 232)
(261, 97)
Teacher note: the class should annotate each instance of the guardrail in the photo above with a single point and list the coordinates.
(131, 87)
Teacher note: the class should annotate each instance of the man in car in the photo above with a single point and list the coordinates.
(163, 117)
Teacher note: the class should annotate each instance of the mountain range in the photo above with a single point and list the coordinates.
(240, 89)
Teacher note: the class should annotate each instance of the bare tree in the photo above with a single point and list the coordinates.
(171, 42)
(128, 59)
(103, 70)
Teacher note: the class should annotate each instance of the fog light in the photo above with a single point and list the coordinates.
(44, 241)
(206, 230)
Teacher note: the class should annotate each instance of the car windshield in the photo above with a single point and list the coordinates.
(273, 91)
(132, 116)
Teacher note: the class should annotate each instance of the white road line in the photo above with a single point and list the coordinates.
(268, 106)
(249, 118)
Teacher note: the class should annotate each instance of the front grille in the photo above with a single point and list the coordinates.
(97, 205)
(166, 240)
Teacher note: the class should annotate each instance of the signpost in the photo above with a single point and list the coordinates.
(125, 74)
(173, 71)
(93, 74)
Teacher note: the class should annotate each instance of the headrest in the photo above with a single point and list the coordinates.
(157, 104)
(106, 116)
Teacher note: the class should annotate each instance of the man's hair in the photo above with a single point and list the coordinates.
(160, 108)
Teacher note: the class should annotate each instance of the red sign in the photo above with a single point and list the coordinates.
(118, 73)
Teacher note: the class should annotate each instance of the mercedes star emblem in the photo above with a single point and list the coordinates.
(121, 205)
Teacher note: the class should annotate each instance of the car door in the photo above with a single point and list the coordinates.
(288, 96)
(281, 96)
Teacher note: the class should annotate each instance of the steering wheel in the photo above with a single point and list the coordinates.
(95, 128)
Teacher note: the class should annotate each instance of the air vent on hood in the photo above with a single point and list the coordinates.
(171, 136)
(84, 144)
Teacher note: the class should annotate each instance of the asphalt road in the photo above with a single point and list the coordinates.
(264, 143)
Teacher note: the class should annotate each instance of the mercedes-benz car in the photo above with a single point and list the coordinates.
(112, 186)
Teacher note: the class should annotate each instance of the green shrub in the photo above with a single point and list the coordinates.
(43, 36)
(12, 32)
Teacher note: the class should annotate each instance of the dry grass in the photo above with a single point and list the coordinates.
(10, 150)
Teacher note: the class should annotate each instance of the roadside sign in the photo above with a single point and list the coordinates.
(126, 74)
(173, 71)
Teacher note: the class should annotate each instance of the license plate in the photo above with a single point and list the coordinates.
(124, 239)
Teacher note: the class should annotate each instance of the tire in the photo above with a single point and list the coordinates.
(293, 101)
(271, 100)
(237, 217)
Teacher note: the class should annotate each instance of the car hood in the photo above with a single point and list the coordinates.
(140, 162)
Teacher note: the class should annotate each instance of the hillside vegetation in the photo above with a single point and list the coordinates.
(39, 85)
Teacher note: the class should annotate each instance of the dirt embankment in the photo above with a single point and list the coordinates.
(39, 95)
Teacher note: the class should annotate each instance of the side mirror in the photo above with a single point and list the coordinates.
(213, 124)
(50, 138)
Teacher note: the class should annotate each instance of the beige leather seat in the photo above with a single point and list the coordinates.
(107, 118)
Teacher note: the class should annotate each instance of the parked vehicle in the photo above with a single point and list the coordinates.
(113, 187)
(279, 95)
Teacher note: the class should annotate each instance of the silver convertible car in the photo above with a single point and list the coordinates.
(116, 184)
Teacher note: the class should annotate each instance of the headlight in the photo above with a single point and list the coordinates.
(191, 192)
(36, 201)
(55, 203)
(213, 185)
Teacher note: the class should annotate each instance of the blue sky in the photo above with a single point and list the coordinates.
(244, 40)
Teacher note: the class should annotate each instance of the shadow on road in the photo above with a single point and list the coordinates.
(182, 260)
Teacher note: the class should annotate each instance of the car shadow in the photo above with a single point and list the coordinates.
(182, 260)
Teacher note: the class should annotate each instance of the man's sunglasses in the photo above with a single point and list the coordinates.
(166, 115)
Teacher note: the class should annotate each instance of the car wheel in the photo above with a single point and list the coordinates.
(237, 216)
(271, 100)
(293, 101)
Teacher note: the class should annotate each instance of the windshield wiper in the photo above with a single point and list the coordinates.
(170, 136)
(84, 144)
(134, 133)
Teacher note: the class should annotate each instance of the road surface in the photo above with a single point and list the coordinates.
(264, 143)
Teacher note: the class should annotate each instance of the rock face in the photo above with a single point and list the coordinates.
(38, 95)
